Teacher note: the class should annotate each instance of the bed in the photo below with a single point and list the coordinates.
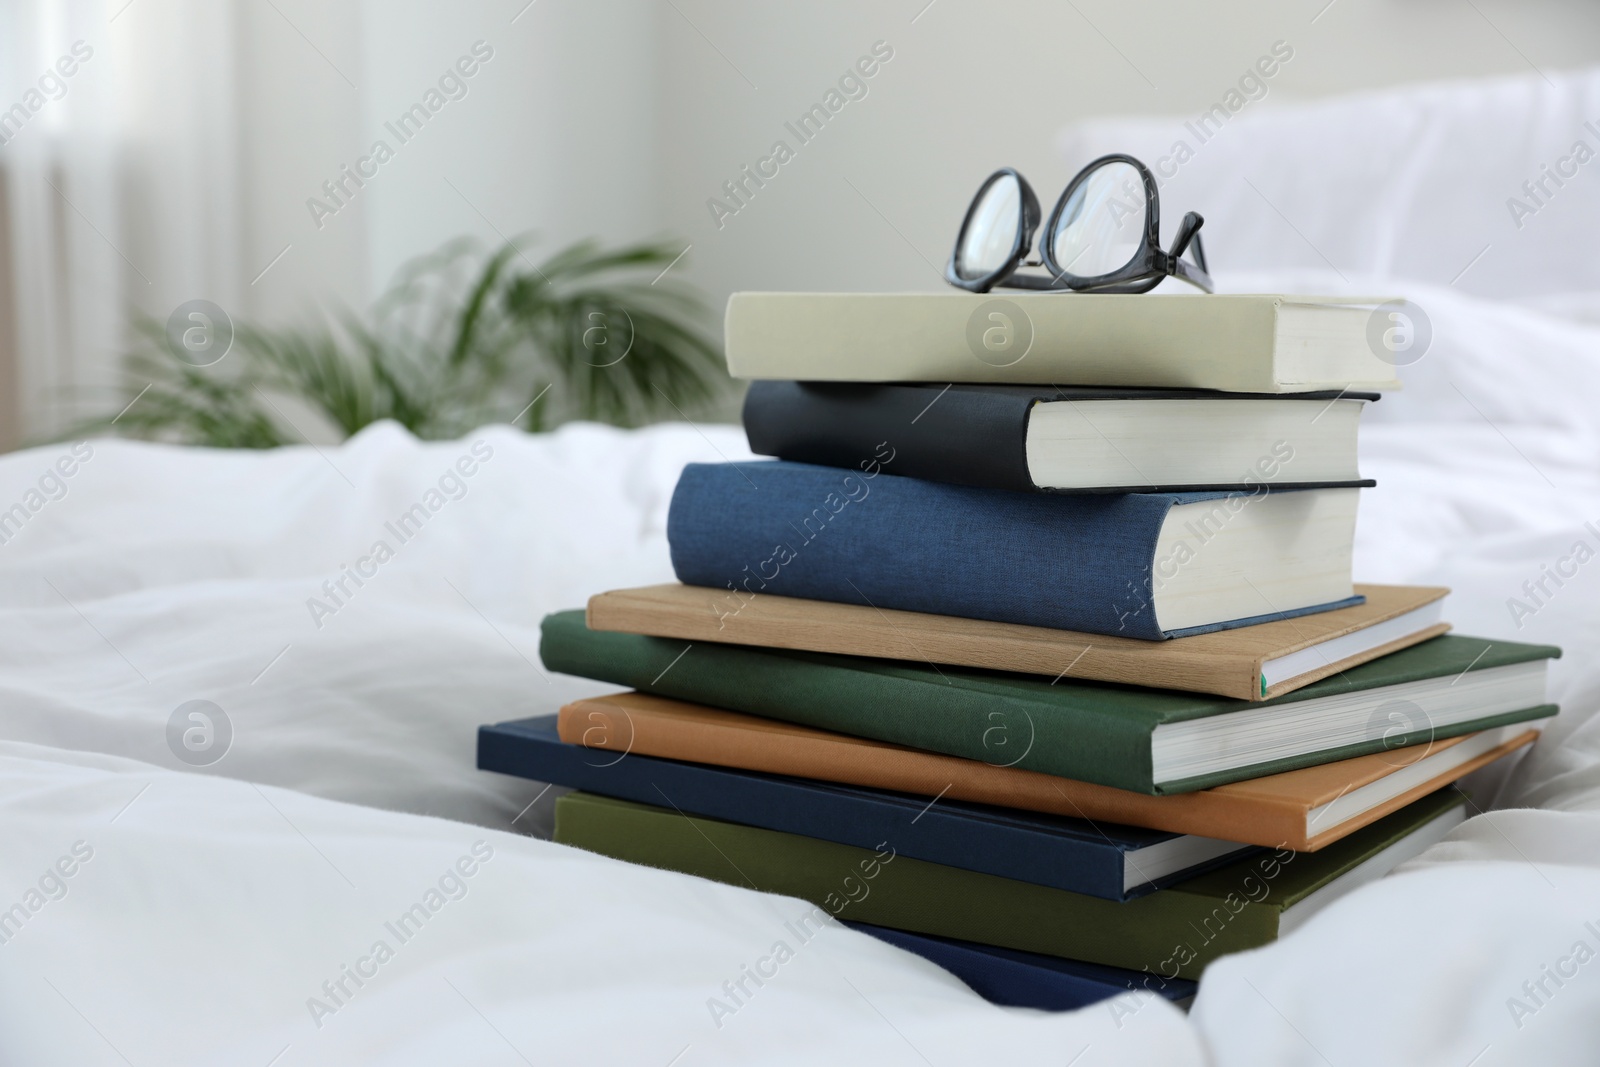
(225, 889)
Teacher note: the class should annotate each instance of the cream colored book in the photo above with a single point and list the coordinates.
(1247, 662)
(1241, 344)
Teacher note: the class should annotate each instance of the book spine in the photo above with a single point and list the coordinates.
(947, 434)
(1066, 562)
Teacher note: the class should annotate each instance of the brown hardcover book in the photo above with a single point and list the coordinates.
(1301, 810)
(1246, 663)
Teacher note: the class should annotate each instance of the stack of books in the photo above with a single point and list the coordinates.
(1066, 687)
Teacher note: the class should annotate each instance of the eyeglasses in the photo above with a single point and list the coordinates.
(1104, 235)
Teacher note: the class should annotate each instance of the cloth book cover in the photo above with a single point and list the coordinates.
(1015, 979)
(1065, 562)
(1303, 810)
(1100, 859)
(1238, 343)
(1090, 731)
(978, 434)
(1229, 663)
(1173, 932)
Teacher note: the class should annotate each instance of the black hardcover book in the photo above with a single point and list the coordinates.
(1063, 439)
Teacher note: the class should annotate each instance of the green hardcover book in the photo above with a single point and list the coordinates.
(1151, 741)
(1170, 933)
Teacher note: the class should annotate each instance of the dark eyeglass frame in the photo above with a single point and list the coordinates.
(1145, 270)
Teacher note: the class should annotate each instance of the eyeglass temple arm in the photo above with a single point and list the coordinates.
(1189, 232)
(1196, 273)
(1039, 282)
(1196, 277)
(1178, 268)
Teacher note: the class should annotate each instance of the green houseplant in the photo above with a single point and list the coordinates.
(462, 337)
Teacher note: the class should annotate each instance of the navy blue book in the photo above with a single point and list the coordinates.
(1096, 859)
(1015, 979)
(1144, 565)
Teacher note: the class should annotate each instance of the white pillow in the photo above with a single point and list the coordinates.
(1505, 367)
(1413, 182)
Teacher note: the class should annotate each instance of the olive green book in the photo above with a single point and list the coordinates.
(1173, 932)
(1152, 741)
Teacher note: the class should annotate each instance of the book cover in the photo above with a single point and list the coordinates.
(1086, 563)
(1090, 731)
(1225, 662)
(1100, 859)
(978, 434)
(1173, 933)
(1236, 343)
(1015, 979)
(1303, 810)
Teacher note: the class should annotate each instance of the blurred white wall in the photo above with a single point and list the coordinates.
(556, 135)
(302, 86)
(873, 202)
(196, 138)
(553, 133)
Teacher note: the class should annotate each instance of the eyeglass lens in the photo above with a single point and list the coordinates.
(1103, 223)
(991, 232)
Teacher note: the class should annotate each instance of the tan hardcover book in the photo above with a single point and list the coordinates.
(1239, 343)
(1247, 662)
(1301, 810)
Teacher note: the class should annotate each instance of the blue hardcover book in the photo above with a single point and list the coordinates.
(1145, 565)
(1096, 859)
(1015, 979)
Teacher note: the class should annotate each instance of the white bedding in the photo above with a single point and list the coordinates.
(165, 575)
(215, 901)
(212, 910)
(210, 913)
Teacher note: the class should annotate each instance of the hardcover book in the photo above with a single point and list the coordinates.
(1303, 810)
(1143, 740)
(1063, 439)
(1142, 565)
(1099, 859)
(1015, 979)
(1173, 933)
(1246, 662)
(1248, 344)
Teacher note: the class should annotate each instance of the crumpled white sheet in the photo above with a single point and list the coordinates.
(165, 575)
(211, 910)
